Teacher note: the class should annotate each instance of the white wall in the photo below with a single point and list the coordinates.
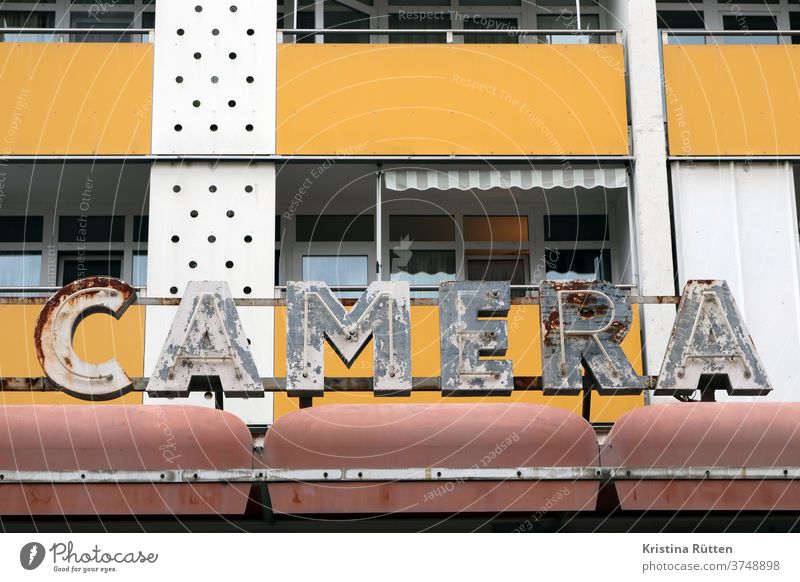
(737, 221)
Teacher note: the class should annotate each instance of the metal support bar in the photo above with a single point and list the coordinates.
(332, 384)
(379, 223)
(41, 299)
(272, 475)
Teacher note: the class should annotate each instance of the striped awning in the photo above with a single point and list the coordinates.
(428, 179)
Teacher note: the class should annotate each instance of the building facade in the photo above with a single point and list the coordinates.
(640, 142)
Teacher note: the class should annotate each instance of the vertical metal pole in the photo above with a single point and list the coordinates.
(589, 384)
(291, 5)
(379, 224)
(319, 20)
(578, 12)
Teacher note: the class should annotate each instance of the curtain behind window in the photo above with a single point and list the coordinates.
(24, 19)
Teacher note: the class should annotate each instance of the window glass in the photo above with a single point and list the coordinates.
(422, 228)
(581, 264)
(511, 269)
(506, 269)
(570, 227)
(139, 276)
(568, 21)
(335, 228)
(141, 229)
(26, 19)
(76, 266)
(495, 228)
(794, 24)
(337, 270)
(423, 267)
(682, 20)
(91, 229)
(21, 229)
(505, 28)
(102, 20)
(20, 269)
(748, 23)
(421, 20)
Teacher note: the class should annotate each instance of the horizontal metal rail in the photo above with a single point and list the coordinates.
(713, 34)
(464, 31)
(424, 474)
(699, 32)
(443, 158)
(332, 384)
(280, 302)
(76, 30)
(448, 33)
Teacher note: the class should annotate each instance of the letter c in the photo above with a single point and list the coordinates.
(55, 330)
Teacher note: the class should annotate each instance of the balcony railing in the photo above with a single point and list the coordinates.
(721, 37)
(449, 36)
(57, 35)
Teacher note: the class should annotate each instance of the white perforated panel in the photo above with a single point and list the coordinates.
(214, 222)
(214, 78)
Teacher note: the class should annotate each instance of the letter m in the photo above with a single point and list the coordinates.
(314, 315)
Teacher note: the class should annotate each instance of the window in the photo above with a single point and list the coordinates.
(91, 229)
(682, 20)
(26, 19)
(337, 249)
(496, 249)
(337, 270)
(335, 228)
(568, 22)
(20, 269)
(21, 251)
(102, 20)
(98, 246)
(794, 24)
(421, 20)
(139, 274)
(748, 23)
(577, 247)
(422, 250)
(505, 28)
(21, 229)
(74, 266)
(335, 15)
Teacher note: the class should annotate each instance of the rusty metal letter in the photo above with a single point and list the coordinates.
(206, 339)
(584, 323)
(465, 339)
(314, 314)
(710, 340)
(55, 330)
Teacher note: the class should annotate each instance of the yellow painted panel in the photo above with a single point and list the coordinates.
(98, 338)
(733, 99)
(524, 350)
(76, 98)
(467, 99)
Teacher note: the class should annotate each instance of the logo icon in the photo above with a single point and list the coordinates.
(31, 555)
